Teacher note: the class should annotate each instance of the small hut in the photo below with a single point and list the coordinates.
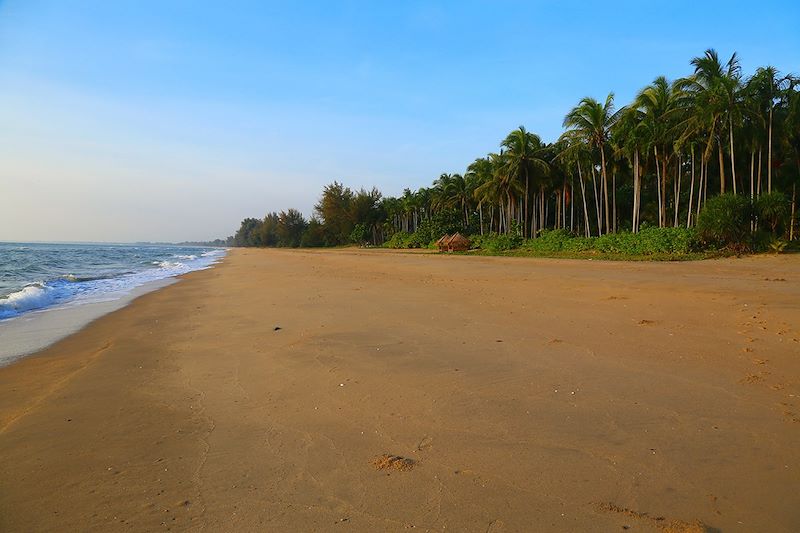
(442, 242)
(457, 243)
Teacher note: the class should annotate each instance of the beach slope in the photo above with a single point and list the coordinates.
(381, 391)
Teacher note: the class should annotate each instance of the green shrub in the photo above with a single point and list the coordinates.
(427, 232)
(360, 234)
(647, 242)
(760, 240)
(778, 246)
(403, 239)
(496, 242)
(773, 211)
(654, 241)
(398, 240)
(418, 240)
(549, 241)
(476, 241)
(725, 222)
(579, 244)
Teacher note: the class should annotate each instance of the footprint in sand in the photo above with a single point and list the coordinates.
(660, 522)
(789, 412)
(752, 378)
(495, 526)
(425, 443)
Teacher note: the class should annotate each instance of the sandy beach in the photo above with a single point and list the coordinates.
(348, 390)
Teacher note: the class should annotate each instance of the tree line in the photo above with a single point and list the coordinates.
(655, 162)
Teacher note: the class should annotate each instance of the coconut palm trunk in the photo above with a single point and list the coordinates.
(527, 195)
(769, 152)
(544, 208)
(614, 201)
(605, 187)
(571, 205)
(658, 188)
(794, 212)
(636, 193)
(703, 183)
(597, 204)
(583, 198)
(733, 164)
(677, 192)
(691, 195)
(752, 170)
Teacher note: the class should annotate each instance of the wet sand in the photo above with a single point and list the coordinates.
(418, 392)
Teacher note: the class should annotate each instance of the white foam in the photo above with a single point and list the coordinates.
(36, 330)
(71, 291)
(169, 264)
(33, 296)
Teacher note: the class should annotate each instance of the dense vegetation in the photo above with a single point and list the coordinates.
(711, 160)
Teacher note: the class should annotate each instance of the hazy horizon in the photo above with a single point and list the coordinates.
(129, 122)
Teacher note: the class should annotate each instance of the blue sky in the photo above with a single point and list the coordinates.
(170, 120)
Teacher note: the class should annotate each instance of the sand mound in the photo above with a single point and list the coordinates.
(662, 523)
(393, 462)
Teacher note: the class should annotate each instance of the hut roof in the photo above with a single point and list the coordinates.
(443, 239)
(458, 243)
(458, 239)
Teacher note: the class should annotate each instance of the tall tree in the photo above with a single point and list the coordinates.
(479, 173)
(523, 161)
(715, 87)
(591, 121)
(333, 209)
(658, 105)
(766, 89)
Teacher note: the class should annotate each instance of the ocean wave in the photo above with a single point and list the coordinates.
(169, 264)
(80, 279)
(108, 281)
(34, 296)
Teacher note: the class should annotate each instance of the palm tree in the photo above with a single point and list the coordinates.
(573, 153)
(631, 139)
(591, 121)
(523, 159)
(458, 194)
(766, 88)
(657, 105)
(715, 88)
(408, 202)
(479, 173)
(439, 199)
(511, 189)
(791, 140)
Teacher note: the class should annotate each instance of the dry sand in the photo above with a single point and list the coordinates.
(424, 392)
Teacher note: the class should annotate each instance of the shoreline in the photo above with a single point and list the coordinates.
(535, 394)
(35, 329)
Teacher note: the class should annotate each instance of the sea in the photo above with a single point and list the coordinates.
(48, 291)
